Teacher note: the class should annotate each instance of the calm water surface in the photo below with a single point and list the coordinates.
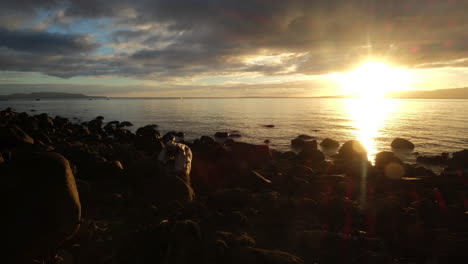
(434, 126)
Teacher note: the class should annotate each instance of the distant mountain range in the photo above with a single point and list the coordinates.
(454, 93)
(45, 95)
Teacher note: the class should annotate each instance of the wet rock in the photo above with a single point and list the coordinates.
(235, 135)
(99, 118)
(221, 134)
(297, 143)
(389, 165)
(459, 160)
(329, 143)
(433, 160)
(180, 134)
(207, 140)
(113, 123)
(417, 171)
(12, 136)
(95, 125)
(305, 137)
(310, 152)
(61, 122)
(269, 126)
(266, 141)
(148, 131)
(43, 205)
(45, 121)
(352, 150)
(125, 124)
(401, 143)
(168, 137)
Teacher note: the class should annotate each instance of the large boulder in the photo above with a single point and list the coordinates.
(42, 207)
(389, 165)
(12, 136)
(352, 150)
(402, 144)
(329, 143)
(248, 155)
(459, 160)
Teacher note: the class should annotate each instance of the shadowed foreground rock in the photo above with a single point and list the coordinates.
(42, 208)
(253, 204)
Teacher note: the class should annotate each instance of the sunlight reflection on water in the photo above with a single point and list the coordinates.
(369, 118)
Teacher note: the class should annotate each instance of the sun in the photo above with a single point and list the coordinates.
(374, 79)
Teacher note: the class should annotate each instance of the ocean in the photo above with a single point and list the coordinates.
(434, 126)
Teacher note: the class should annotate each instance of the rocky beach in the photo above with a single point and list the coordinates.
(96, 192)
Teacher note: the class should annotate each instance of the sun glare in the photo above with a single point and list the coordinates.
(374, 80)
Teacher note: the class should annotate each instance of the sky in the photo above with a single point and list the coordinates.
(226, 47)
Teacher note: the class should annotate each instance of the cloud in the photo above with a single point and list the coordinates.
(45, 43)
(158, 39)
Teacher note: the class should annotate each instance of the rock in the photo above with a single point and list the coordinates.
(230, 198)
(180, 134)
(251, 180)
(434, 160)
(148, 131)
(99, 118)
(207, 140)
(459, 160)
(221, 134)
(250, 255)
(1, 159)
(311, 153)
(182, 159)
(266, 141)
(297, 143)
(352, 150)
(305, 137)
(171, 188)
(182, 242)
(235, 135)
(389, 165)
(249, 155)
(125, 124)
(168, 137)
(113, 123)
(269, 126)
(401, 143)
(236, 240)
(12, 136)
(329, 143)
(43, 207)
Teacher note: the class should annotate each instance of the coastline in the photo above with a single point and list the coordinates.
(250, 201)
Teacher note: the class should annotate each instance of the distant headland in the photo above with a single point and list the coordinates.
(47, 95)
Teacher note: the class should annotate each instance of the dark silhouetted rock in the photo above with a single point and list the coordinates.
(352, 150)
(251, 180)
(180, 134)
(389, 165)
(12, 136)
(305, 137)
(434, 160)
(311, 153)
(168, 137)
(269, 126)
(125, 124)
(221, 134)
(207, 140)
(43, 207)
(235, 135)
(99, 118)
(249, 155)
(266, 141)
(249, 255)
(401, 143)
(149, 131)
(297, 143)
(329, 143)
(459, 160)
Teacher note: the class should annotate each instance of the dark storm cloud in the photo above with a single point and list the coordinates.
(45, 43)
(190, 37)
